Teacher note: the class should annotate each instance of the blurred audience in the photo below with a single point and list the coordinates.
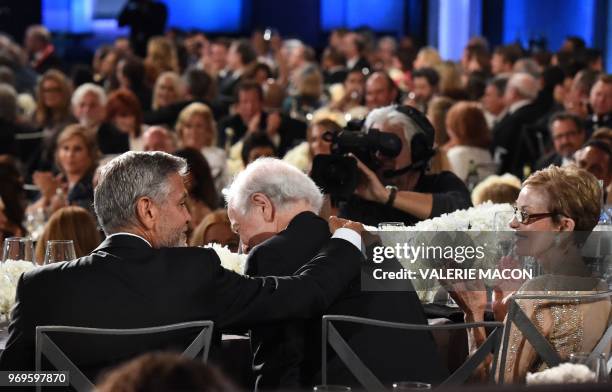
(158, 138)
(596, 157)
(124, 112)
(76, 157)
(215, 228)
(89, 107)
(196, 129)
(203, 197)
(70, 223)
(12, 199)
(568, 135)
(469, 139)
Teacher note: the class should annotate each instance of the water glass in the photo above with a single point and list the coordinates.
(502, 220)
(390, 226)
(405, 386)
(596, 363)
(59, 250)
(331, 388)
(18, 248)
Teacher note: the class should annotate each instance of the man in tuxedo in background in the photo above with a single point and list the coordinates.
(600, 99)
(273, 207)
(512, 146)
(240, 58)
(284, 131)
(139, 277)
(568, 135)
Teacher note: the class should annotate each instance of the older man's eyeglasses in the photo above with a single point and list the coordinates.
(525, 218)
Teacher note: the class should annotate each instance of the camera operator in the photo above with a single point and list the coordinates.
(398, 190)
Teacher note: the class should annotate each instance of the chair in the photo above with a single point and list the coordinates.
(516, 316)
(45, 346)
(365, 376)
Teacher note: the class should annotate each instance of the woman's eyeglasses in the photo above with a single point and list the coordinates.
(526, 218)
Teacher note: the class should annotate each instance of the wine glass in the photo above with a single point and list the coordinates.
(59, 250)
(18, 248)
(502, 220)
(596, 363)
(390, 226)
(331, 388)
(405, 386)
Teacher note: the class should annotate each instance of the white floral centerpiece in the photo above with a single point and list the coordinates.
(10, 271)
(479, 218)
(229, 260)
(566, 373)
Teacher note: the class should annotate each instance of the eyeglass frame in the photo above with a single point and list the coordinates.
(525, 218)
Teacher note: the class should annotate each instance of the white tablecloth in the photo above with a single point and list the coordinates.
(3, 339)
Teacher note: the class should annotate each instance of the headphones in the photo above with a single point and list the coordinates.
(421, 144)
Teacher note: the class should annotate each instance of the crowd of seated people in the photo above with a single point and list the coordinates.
(222, 103)
(211, 93)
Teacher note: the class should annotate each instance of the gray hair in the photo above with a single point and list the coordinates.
(86, 88)
(8, 103)
(524, 84)
(40, 32)
(281, 182)
(127, 178)
(389, 116)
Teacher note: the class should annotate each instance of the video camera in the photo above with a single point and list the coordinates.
(337, 174)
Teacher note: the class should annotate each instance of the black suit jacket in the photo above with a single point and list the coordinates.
(111, 140)
(514, 142)
(285, 355)
(550, 159)
(125, 283)
(291, 131)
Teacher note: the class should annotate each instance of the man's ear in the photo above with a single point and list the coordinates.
(147, 212)
(263, 205)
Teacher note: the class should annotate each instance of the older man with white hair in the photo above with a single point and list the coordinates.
(514, 146)
(89, 108)
(273, 207)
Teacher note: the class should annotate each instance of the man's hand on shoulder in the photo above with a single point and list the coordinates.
(336, 223)
(347, 230)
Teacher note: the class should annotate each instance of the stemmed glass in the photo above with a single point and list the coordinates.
(59, 250)
(502, 220)
(596, 363)
(404, 386)
(18, 248)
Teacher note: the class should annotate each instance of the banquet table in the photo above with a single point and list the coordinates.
(3, 338)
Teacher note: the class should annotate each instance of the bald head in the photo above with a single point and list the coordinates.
(380, 90)
(157, 138)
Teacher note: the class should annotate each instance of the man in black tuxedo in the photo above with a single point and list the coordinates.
(276, 218)
(600, 100)
(240, 57)
(513, 145)
(568, 135)
(138, 277)
(284, 131)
